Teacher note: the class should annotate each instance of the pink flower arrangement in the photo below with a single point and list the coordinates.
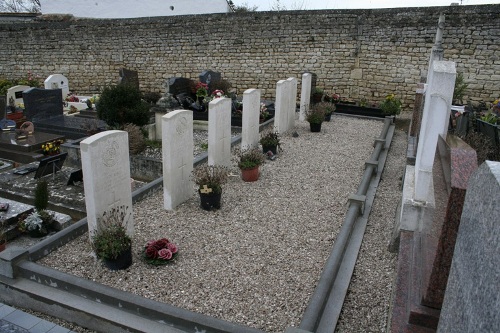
(160, 252)
(218, 93)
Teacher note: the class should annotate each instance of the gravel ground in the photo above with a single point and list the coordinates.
(257, 260)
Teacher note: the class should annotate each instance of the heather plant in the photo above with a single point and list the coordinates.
(210, 177)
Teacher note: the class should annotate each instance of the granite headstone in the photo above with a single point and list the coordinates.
(209, 77)
(180, 85)
(129, 77)
(42, 103)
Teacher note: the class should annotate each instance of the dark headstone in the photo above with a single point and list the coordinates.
(209, 77)
(129, 77)
(42, 103)
(180, 85)
(3, 107)
(472, 296)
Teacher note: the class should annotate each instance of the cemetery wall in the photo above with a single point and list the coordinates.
(355, 53)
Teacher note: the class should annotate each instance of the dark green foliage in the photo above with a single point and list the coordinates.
(459, 90)
(151, 97)
(122, 104)
(41, 195)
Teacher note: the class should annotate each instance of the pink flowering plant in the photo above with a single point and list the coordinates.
(218, 93)
(160, 252)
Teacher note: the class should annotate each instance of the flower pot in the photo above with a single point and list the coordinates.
(250, 175)
(123, 261)
(272, 148)
(210, 201)
(315, 127)
(328, 117)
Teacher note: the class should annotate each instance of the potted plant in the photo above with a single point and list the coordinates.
(315, 116)
(160, 252)
(391, 105)
(270, 141)
(249, 162)
(52, 147)
(317, 95)
(111, 242)
(328, 109)
(210, 179)
(39, 222)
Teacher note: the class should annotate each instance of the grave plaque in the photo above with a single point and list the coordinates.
(106, 177)
(42, 103)
(129, 77)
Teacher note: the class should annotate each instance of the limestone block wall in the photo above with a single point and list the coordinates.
(355, 53)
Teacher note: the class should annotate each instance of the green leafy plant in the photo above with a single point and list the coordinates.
(327, 107)
(210, 177)
(316, 115)
(270, 138)
(110, 239)
(391, 105)
(122, 104)
(490, 117)
(250, 158)
(459, 89)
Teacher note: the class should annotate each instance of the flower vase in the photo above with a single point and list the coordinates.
(250, 175)
(315, 127)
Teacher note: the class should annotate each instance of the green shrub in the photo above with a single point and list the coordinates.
(41, 196)
(122, 104)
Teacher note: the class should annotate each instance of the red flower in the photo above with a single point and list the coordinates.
(172, 247)
(152, 252)
(161, 243)
(165, 254)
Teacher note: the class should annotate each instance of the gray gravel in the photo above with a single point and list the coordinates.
(257, 260)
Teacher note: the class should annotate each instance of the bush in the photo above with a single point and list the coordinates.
(136, 140)
(152, 97)
(41, 195)
(391, 105)
(122, 104)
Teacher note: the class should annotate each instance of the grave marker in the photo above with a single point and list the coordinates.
(106, 176)
(219, 132)
(129, 77)
(42, 103)
(209, 77)
(305, 95)
(292, 101)
(16, 92)
(281, 114)
(180, 85)
(57, 81)
(250, 121)
(177, 153)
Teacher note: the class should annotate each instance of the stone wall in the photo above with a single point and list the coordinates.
(355, 53)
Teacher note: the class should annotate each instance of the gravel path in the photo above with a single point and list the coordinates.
(257, 260)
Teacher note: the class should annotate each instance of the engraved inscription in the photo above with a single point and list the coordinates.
(110, 154)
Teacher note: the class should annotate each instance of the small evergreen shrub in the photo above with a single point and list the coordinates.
(41, 196)
(122, 104)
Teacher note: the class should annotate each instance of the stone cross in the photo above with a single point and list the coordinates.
(106, 177)
(435, 121)
(305, 95)
(251, 115)
(437, 52)
(177, 153)
(219, 132)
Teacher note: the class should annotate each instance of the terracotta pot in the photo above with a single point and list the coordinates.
(250, 175)
(315, 127)
(123, 261)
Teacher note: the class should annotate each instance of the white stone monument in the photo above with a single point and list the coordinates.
(58, 81)
(435, 121)
(16, 92)
(106, 177)
(292, 101)
(177, 153)
(305, 95)
(280, 106)
(250, 121)
(219, 132)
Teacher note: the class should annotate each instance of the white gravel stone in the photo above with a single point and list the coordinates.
(257, 260)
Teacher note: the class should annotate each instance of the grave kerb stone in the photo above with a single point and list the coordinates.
(219, 132)
(305, 95)
(177, 153)
(250, 121)
(106, 177)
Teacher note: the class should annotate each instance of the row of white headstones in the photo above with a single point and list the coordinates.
(105, 157)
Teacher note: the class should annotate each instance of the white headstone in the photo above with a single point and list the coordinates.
(16, 92)
(305, 95)
(177, 153)
(106, 177)
(219, 132)
(250, 122)
(280, 107)
(58, 81)
(292, 101)
(435, 120)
